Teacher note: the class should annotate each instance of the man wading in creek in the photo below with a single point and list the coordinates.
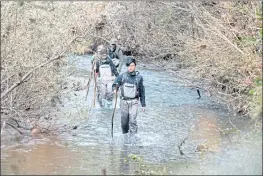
(106, 72)
(116, 54)
(132, 89)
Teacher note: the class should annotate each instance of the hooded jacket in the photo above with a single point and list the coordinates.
(117, 53)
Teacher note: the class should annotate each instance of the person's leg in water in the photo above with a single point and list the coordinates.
(101, 93)
(109, 94)
(133, 112)
(125, 119)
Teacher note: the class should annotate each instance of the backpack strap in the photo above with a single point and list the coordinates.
(108, 57)
(101, 63)
(116, 55)
(124, 77)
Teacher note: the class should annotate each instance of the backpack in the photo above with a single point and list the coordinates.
(129, 90)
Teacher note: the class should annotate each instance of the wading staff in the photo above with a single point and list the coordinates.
(113, 114)
(95, 85)
(89, 81)
(198, 91)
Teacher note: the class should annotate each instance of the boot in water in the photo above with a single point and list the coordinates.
(126, 138)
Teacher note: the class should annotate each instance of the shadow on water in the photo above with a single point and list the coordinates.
(178, 134)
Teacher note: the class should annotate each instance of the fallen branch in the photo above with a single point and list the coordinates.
(19, 126)
(182, 142)
(26, 76)
(242, 134)
(177, 7)
(188, 84)
(14, 128)
(161, 55)
(2, 129)
(7, 78)
(16, 112)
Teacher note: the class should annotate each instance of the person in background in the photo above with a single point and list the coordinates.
(115, 53)
(105, 72)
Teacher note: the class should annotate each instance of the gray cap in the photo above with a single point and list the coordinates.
(113, 41)
(101, 50)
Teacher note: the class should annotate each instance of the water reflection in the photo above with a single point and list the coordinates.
(124, 167)
(129, 156)
(206, 131)
(46, 158)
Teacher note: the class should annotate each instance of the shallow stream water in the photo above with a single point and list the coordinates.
(178, 134)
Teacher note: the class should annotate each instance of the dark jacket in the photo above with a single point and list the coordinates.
(107, 61)
(130, 78)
